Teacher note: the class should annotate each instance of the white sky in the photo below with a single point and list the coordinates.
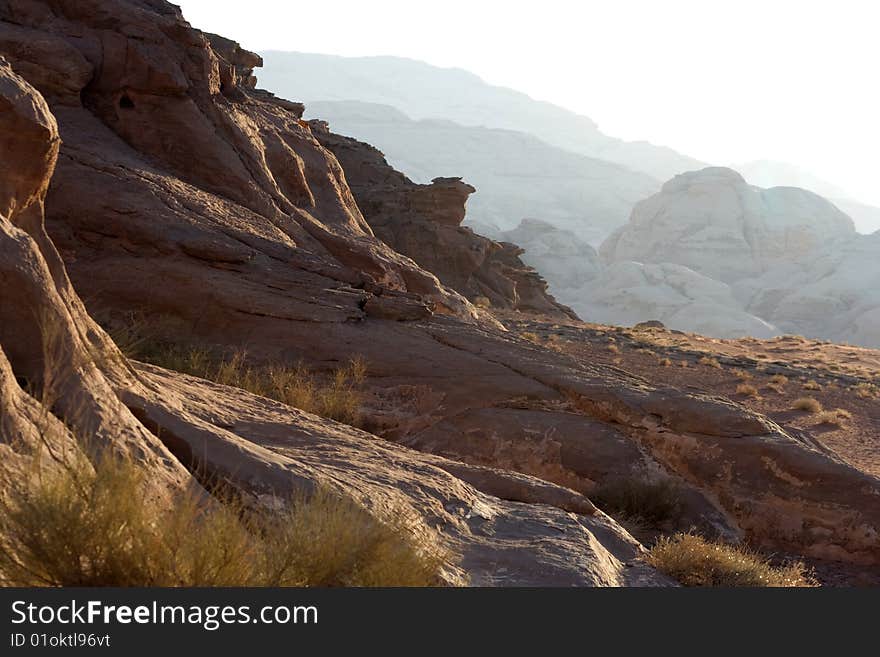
(723, 81)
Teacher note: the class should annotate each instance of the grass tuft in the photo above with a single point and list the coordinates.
(709, 361)
(81, 525)
(747, 390)
(807, 404)
(694, 561)
(651, 502)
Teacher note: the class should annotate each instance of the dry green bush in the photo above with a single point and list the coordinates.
(694, 561)
(643, 501)
(807, 404)
(81, 525)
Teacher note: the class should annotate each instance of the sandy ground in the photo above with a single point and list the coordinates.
(768, 376)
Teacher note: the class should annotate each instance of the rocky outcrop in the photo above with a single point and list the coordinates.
(64, 385)
(424, 223)
(178, 197)
(747, 261)
(713, 222)
(50, 350)
(516, 174)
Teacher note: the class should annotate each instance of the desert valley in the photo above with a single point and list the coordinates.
(462, 334)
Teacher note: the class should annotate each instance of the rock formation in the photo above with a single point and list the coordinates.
(424, 223)
(713, 222)
(181, 192)
(516, 174)
(747, 261)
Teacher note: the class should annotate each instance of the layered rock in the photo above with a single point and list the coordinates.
(179, 196)
(516, 174)
(749, 261)
(715, 223)
(81, 391)
(424, 223)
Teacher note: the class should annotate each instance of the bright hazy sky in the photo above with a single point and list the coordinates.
(723, 81)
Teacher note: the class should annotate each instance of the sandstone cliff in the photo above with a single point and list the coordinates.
(424, 223)
(181, 192)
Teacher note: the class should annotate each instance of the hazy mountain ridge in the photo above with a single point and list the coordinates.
(516, 175)
(423, 91)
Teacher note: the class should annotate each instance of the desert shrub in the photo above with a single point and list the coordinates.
(747, 390)
(694, 561)
(337, 398)
(531, 337)
(709, 361)
(742, 375)
(652, 502)
(838, 417)
(778, 379)
(664, 362)
(866, 390)
(812, 384)
(683, 363)
(807, 404)
(482, 302)
(81, 525)
(613, 348)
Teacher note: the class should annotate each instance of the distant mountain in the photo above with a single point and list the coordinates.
(517, 175)
(769, 173)
(423, 91)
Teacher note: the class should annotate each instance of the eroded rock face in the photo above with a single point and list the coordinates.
(759, 262)
(537, 534)
(713, 222)
(178, 195)
(48, 344)
(424, 223)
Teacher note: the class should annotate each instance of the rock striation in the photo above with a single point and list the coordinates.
(183, 193)
(424, 223)
(747, 261)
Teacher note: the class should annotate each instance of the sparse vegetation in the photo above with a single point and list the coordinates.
(665, 362)
(531, 337)
(613, 348)
(742, 375)
(709, 361)
(694, 561)
(747, 390)
(644, 501)
(866, 391)
(812, 384)
(79, 525)
(837, 418)
(807, 404)
(337, 397)
(779, 379)
(482, 302)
